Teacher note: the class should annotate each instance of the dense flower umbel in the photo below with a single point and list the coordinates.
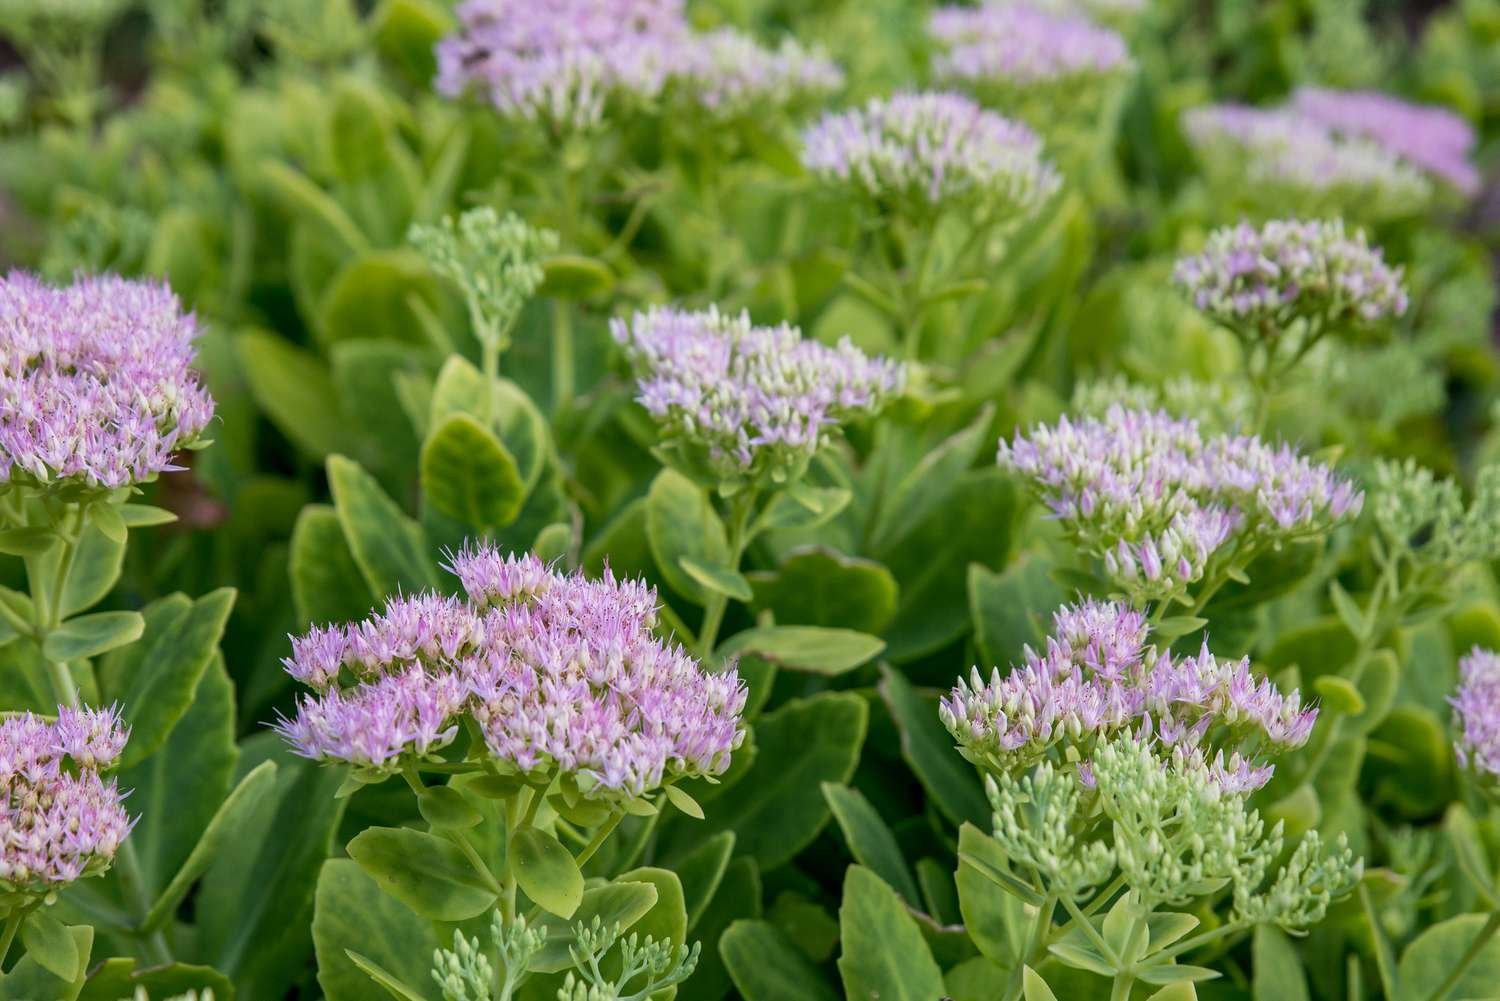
(557, 672)
(95, 387)
(1262, 279)
(1476, 712)
(1431, 138)
(744, 399)
(933, 150)
(562, 62)
(1098, 678)
(1281, 154)
(1155, 498)
(60, 820)
(1020, 45)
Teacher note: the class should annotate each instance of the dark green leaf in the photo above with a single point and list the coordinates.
(327, 585)
(928, 748)
(817, 586)
(767, 967)
(681, 522)
(390, 549)
(870, 841)
(884, 956)
(353, 914)
(469, 476)
(51, 946)
(1278, 968)
(429, 874)
(294, 389)
(1012, 608)
(719, 579)
(806, 648)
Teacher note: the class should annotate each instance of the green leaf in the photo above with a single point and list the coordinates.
(620, 902)
(95, 570)
(702, 871)
(294, 389)
(389, 548)
(767, 967)
(1035, 987)
(803, 507)
(327, 585)
(1181, 991)
(719, 579)
(303, 200)
(681, 799)
(928, 748)
(469, 476)
(118, 978)
(352, 914)
(106, 517)
(1175, 974)
(929, 484)
(870, 841)
(681, 522)
(1377, 690)
(91, 635)
(365, 374)
(814, 649)
(429, 874)
(1012, 608)
(1176, 626)
(50, 945)
(447, 809)
(1277, 967)
(32, 540)
(1432, 957)
(884, 956)
(381, 976)
(818, 586)
(666, 921)
(1339, 695)
(553, 543)
(1469, 850)
(777, 809)
(405, 34)
(738, 898)
(573, 276)
(157, 688)
(29, 981)
(545, 871)
(238, 806)
(145, 516)
(1348, 612)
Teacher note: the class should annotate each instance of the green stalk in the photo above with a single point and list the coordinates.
(1036, 941)
(562, 354)
(600, 836)
(717, 604)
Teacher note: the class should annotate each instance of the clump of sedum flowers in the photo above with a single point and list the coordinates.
(747, 403)
(1119, 777)
(1280, 159)
(1164, 506)
(546, 693)
(1476, 714)
(60, 820)
(918, 162)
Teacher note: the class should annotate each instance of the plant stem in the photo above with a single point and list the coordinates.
(1467, 960)
(1036, 941)
(129, 864)
(1121, 989)
(1384, 964)
(600, 836)
(562, 354)
(717, 603)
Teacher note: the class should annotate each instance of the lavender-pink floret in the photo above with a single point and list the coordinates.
(1022, 45)
(1432, 138)
(1476, 712)
(95, 381)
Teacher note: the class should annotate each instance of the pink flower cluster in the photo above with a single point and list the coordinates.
(1476, 712)
(95, 384)
(1022, 45)
(1155, 498)
(749, 398)
(1097, 679)
(1251, 276)
(562, 62)
(558, 673)
(1428, 137)
(59, 820)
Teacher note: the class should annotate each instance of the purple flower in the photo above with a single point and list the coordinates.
(1430, 138)
(1155, 499)
(556, 672)
(1263, 279)
(1021, 45)
(564, 61)
(1097, 679)
(1281, 155)
(95, 384)
(749, 399)
(59, 820)
(933, 149)
(1476, 712)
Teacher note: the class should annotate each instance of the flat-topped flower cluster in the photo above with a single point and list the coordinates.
(563, 62)
(749, 400)
(1155, 498)
(1022, 45)
(933, 150)
(1262, 279)
(1098, 679)
(1476, 712)
(60, 820)
(95, 384)
(556, 673)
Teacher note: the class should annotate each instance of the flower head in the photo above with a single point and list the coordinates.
(1262, 279)
(1018, 45)
(1155, 499)
(1430, 138)
(1098, 679)
(1280, 156)
(747, 400)
(727, 73)
(556, 672)
(60, 821)
(1476, 712)
(95, 384)
(933, 150)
